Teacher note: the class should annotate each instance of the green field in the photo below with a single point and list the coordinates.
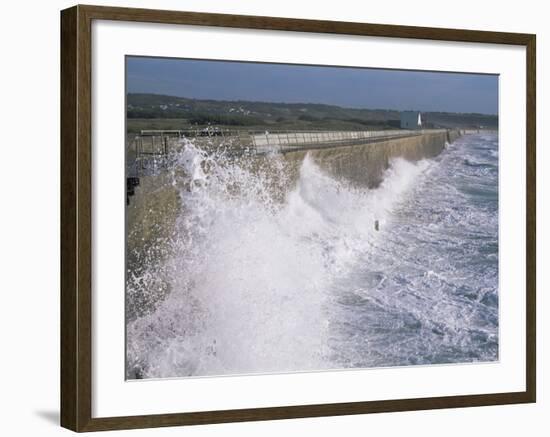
(153, 111)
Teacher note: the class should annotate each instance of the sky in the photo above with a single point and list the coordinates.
(347, 87)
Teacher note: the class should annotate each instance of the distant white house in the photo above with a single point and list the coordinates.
(411, 120)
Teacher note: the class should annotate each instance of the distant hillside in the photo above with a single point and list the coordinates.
(154, 111)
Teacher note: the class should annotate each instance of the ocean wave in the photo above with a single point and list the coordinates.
(250, 273)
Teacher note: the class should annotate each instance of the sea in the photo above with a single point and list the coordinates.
(271, 276)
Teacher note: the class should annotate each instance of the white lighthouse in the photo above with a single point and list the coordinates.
(411, 120)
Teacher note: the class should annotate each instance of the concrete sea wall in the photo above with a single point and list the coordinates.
(364, 165)
(153, 210)
(155, 203)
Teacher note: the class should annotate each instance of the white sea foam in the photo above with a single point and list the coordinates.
(251, 276)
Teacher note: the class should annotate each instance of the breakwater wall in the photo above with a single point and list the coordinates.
(154, 208)
(364, 164)
(155, 205)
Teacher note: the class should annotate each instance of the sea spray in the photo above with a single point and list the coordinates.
(252, 265)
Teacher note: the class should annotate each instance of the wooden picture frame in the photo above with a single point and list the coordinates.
(76, 217)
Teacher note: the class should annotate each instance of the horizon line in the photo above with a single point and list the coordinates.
(308, 103)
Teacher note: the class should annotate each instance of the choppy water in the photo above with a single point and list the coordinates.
(260, 285)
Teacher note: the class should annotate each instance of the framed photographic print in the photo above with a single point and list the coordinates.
(268, 218)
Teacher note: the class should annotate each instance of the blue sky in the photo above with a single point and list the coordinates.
(348, 87)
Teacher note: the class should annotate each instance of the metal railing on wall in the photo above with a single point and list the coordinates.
(151, 145)
(293, 140)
